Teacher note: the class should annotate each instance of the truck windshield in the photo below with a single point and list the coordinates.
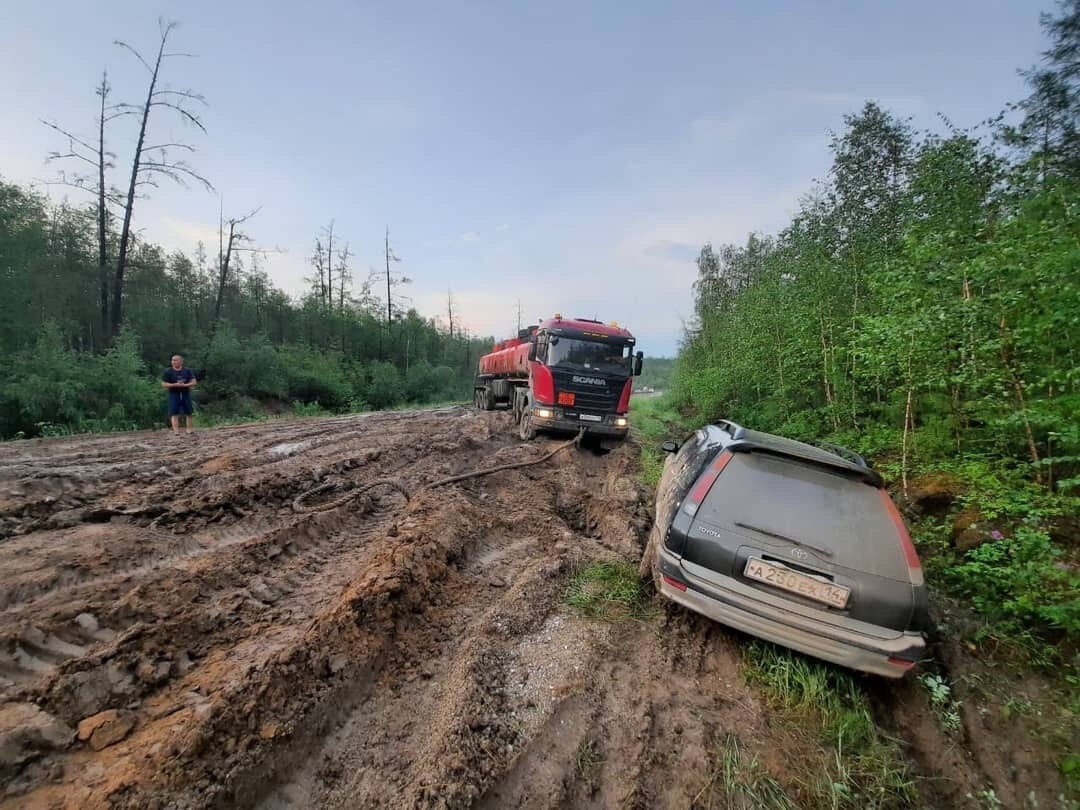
(609, 357)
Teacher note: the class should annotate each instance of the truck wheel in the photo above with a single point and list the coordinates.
(489, 398)
(476, 399)
(525, 428)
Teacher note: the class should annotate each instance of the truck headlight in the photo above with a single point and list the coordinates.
(544, 413)
(621, 421)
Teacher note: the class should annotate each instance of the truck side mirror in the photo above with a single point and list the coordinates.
(637, 363)
(532, 351)
(670, 447)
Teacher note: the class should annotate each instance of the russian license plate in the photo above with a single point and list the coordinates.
(588, 417)
(816, 589)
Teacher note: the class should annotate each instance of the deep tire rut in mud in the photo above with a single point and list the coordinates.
(382, 653)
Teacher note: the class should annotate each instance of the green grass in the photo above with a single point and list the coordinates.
(653, 420)
(738, 781)
(865, 768)
(611, 591)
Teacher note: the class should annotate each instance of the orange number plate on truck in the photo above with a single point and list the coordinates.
(566, 398)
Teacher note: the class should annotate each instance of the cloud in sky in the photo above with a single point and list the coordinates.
(187, 234)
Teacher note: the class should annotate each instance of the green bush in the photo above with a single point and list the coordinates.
(419, 382)
(251, 368)
(385, 388)
(43, 384)
(121, 394)
(1018, 582)
(315, 377)
(51, 390)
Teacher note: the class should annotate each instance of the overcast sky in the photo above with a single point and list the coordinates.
(573, 155)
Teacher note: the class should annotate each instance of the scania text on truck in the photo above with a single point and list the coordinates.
(561, 376)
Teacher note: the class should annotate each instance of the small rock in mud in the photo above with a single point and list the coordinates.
(427, 671)
(25, 732)
(182, 663)
(87, 622)
(261, 591)
(106, 728)
(150, 673)
(270, 730)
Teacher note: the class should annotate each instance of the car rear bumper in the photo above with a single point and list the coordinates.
(890, 657)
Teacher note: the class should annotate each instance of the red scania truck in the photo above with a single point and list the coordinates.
(561, 376)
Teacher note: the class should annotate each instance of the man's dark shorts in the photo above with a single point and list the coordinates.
(179, 403)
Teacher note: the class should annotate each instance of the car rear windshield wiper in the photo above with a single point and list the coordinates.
(818, 549)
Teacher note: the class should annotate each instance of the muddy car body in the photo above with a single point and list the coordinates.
(792, 543)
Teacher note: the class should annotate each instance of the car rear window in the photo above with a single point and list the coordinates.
(811, 505)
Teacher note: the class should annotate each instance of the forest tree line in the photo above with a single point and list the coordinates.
(254, 345)
(90, 312)
(923, 308)
(928, 290)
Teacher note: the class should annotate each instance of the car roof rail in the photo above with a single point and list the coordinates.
(843, 452)
(737, 431)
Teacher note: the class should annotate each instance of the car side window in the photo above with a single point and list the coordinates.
(686, 462)
(542, 348)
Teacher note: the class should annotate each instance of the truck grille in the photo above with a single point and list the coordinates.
(587, 396)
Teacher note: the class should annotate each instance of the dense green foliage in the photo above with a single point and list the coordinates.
(266, 349)
(923, 306)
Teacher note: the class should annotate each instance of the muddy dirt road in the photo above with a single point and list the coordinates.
(174, 634)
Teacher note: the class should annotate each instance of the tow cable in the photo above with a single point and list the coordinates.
(298, 504)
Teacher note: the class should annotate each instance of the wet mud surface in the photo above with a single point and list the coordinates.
(173, 634)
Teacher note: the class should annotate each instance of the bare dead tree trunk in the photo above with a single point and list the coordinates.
(389, 312)
(329, 302)
(151, 159)
(103, 255)
(129, 206)
(233, 244)
(223, 275)
(343, 273)
(450, 311)
(98, 156)
(343, 276)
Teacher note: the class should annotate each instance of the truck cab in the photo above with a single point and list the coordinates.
(564, 375)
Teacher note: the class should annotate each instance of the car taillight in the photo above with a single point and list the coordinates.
(910, 555)
(674, 583)
(705, 482)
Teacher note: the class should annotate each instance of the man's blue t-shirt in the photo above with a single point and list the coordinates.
(184, 375)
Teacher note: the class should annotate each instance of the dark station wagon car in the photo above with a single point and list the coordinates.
(797, 544)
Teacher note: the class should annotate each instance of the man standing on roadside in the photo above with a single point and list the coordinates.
(179, 381)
